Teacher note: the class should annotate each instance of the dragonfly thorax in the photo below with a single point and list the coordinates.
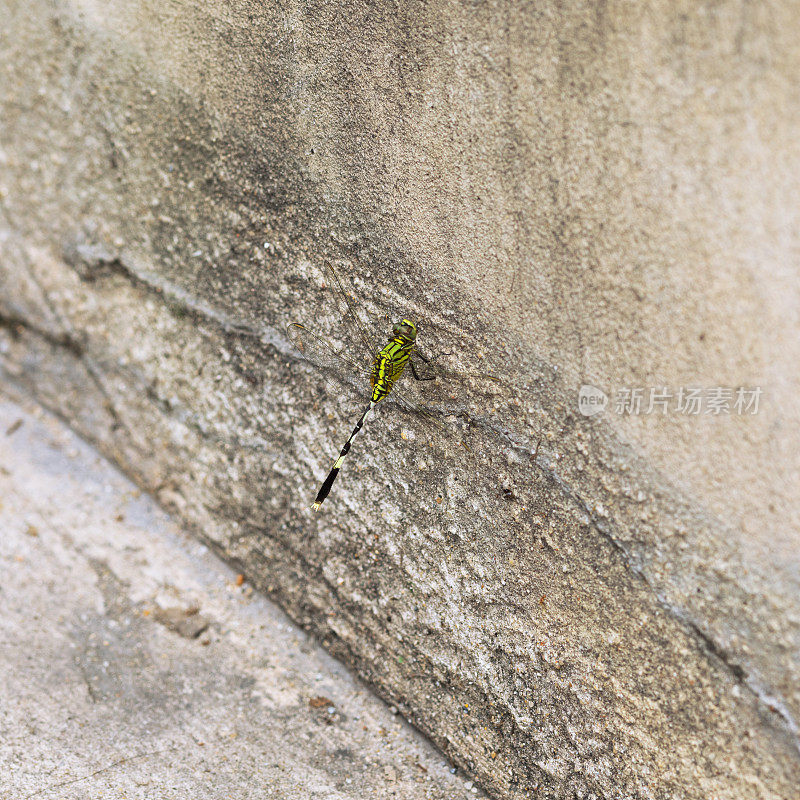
(391, 361)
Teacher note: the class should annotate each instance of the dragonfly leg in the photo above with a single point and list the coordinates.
(430, 360)
(417, 376)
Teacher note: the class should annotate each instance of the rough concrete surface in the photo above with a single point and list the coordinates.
(560, 193)
(103, 696)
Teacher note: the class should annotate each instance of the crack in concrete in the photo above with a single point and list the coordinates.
(14, 323)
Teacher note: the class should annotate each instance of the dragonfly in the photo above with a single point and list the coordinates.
(388, 365)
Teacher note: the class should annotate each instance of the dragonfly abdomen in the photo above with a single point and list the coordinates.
(337, 465)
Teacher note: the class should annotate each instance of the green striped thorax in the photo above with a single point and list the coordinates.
(391, 361)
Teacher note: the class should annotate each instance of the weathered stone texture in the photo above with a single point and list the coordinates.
(562, 193)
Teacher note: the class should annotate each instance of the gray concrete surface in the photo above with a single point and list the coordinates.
(103, 696)
(564, 193)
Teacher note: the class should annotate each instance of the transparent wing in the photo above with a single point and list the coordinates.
(352, 315)
(455, 392)
(450, 377)
(339, 375)
(323, 353)
(400, 397)
(482, 381)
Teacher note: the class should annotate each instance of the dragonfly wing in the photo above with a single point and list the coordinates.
(416, 408)
(361, 331)
(321, 352)
(336, 369)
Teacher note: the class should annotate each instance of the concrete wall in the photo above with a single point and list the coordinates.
(561, 193)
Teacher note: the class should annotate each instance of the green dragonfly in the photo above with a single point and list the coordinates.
(388, 365)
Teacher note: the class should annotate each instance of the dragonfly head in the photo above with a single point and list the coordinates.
(406, 330)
